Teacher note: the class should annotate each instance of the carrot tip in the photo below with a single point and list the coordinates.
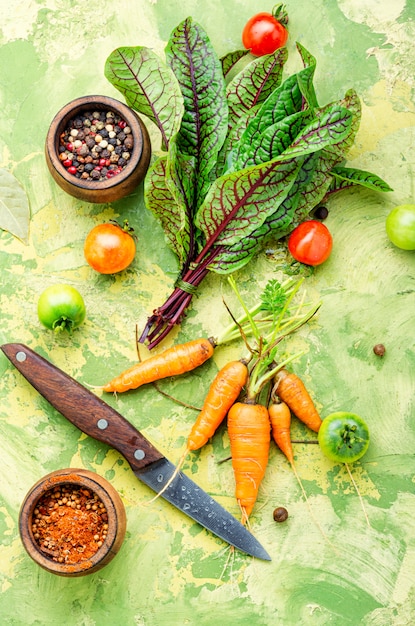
(100, 387)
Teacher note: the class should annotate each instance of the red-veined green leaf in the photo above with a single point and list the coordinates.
(305, 78)
(148, 86)
(229, 60)
(309, 189)
(230, 147)
(328, 129)
(255, 83)
(273, 141)
(348, 177)
(239, 202)
(351, 102)
(190, 55)
(169, 209)
(285, 100)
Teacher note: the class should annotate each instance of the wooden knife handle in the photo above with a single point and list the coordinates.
(81, 407)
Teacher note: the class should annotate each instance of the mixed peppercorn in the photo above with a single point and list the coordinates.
(96, 145)
(69, 524)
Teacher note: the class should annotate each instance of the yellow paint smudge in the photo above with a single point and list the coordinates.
(383, 114)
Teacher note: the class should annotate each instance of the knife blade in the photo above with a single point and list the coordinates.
(99, 420)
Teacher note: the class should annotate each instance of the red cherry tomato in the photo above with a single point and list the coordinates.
(310, 243)
(109, 248)
(263, 34)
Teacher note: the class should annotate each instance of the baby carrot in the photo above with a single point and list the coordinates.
(224, 390)
(280, 418)
(249, 434)
(172, 362)
(291, 390)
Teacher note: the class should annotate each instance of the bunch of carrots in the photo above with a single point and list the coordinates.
(257, 393)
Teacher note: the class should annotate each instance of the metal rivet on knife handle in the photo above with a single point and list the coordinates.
(21, 356)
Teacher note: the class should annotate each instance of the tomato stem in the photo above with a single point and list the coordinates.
(348, 435)
(62, 324)
(280, 13)
(125, 226)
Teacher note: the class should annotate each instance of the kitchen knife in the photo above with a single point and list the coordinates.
(99, 420)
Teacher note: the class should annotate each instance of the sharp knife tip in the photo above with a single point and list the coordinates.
(257, 551)
(264, 556)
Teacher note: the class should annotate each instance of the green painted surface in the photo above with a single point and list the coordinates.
(169, 570)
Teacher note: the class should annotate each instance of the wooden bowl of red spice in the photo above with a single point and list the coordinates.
(97, 149)
(72, 522)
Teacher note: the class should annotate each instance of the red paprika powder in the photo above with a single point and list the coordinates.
(69, 524)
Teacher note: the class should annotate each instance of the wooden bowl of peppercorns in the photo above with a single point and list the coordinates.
(97, 149)
(72, 522)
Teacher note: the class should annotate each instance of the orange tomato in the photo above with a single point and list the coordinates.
(109, 248)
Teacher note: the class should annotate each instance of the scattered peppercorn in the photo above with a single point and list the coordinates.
(96, 145)
(379, 349)
(280, 514)
(321, 212)
(69, 524)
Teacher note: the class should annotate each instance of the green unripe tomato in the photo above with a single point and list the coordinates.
(400, 226)
(61, 307)
(343, 437)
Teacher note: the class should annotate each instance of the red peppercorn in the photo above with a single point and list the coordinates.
(67, 163)
(102, 162)
(122, 124)
(72, 170)
(111, 173)
(69, 147)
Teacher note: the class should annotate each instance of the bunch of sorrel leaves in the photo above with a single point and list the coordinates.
(243, 159)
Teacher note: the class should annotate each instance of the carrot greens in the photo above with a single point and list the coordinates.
(281, 311)
(242, 160)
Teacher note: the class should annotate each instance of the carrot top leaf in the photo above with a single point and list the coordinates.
(273, 298)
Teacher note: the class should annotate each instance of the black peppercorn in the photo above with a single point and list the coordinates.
(280, 514)
(321, 212)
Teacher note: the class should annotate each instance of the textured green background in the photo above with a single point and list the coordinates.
(169, 570)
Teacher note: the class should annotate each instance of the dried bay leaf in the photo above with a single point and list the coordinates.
(14, 207)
